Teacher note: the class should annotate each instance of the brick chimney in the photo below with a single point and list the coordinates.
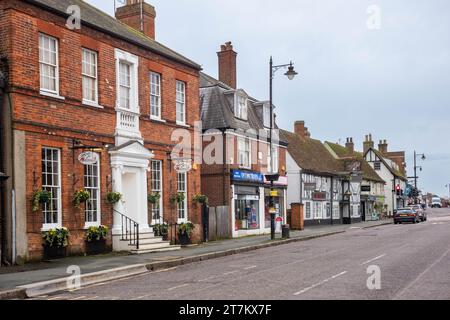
(227, 65)
(301, 130)
(350, 146)
(383, 146)
(139, 15)
(368, 143)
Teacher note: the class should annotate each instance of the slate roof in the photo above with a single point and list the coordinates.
(97, 19)
(217, 110)
(312, 156)
(343, 153)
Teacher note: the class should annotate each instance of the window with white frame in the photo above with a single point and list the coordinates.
(182, 188)
(155, 95)
(51, 182)
(377, 165)
(92, 185)
(89, 73)
(48, 64)
(275, 154)
(156, 188)
(308, 210)
(124, 85)
(244, 152)
(181, 102)
(241, 107)
(317, 210)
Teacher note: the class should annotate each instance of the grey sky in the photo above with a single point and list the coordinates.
(393, 82)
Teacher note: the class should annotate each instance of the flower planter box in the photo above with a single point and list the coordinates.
(184, 239)
(96, 247)
(51, 253)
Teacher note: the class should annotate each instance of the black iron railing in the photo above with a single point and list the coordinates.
(130, 230)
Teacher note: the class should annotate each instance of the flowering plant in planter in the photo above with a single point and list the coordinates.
(80, 196)
(113, 197)
(97, 233)
(200, 198)
(186, 228)
(161, 230)
(178, 198)
(58, 237)
(41, 197)
(153, 198)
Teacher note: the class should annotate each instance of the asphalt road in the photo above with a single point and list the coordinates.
(413, 261)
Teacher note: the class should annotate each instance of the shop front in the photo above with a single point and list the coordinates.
(279, 195)
(247, 210)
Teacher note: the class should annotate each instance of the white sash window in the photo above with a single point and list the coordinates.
(51, 182)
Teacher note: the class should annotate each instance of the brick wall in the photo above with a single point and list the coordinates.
(55, 123)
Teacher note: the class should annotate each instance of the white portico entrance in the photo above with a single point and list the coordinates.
(130, 163)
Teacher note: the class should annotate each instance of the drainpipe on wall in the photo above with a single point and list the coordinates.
(331, 200)
(301, 186)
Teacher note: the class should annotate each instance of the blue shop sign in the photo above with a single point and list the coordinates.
(237, 175)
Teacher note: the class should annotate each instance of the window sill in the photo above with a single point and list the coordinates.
(181, 124)
(48, 227)
(91, 224)
(51, 95)
(152, 118)
(92, 104)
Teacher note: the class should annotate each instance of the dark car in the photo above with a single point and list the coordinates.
(406, 215)
(422, 213)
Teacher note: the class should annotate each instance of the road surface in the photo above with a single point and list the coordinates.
(413, 263)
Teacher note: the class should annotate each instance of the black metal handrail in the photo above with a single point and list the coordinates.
(130, 230)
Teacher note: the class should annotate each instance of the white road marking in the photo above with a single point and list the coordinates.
(165, 270)
(251, 267)
(372, 260)
(56, 298)
(320, 283)
(231, 272)
(421, 275)
(206, 279)
(78, 298)
(178, 287)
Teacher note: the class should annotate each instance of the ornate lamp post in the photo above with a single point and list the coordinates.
(415, 171)
(274, 176)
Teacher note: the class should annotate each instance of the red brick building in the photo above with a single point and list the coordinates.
(235, 178)
(106, 89)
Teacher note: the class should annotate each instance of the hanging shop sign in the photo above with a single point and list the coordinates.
(282, 181)
(319, 196)
(88, 158)
(244, 176)
(310, 186)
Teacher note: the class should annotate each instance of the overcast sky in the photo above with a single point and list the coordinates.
(393, 82)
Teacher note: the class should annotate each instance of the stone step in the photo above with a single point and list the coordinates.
(155, 247)
(150, 241)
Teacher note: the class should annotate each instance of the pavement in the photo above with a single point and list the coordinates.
(17, 280)
(390, 262)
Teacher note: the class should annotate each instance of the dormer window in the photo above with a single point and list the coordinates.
(240, 110)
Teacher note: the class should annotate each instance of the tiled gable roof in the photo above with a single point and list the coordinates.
(98, 19)
(311, 155)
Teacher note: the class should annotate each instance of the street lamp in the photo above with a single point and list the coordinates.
(274, 176)
(448, 186)
(415, 170)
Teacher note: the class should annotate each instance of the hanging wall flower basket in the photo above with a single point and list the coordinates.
(113, 197)
(153, 198)
(178, 198)
(41, 197)
(79, 197)
(200, 198)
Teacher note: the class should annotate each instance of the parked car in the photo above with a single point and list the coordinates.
(421, 212)
(406, 215)
(436, 202)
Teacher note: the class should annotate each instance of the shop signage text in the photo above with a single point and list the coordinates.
(319, 196)
(237, 175)
(365, 189)
(88, 158)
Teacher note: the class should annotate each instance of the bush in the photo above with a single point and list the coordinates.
(200, 198)
(161, 230)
